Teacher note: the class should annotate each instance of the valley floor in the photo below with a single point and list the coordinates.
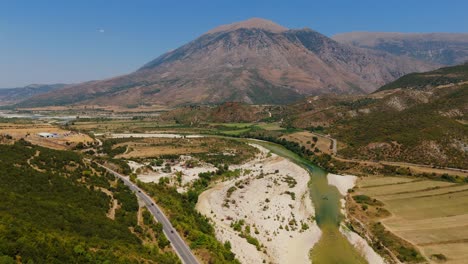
(266, 214)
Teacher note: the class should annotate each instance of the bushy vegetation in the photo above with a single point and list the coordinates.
(156, 228)
(109, 149)
(404, 251)
(221, 158)
(416, 134)
(226, 151)
(357, 103)
(53, 211)
(364, 199)
(322, 160)
(402, 171)
(120, 164)
(196, 228)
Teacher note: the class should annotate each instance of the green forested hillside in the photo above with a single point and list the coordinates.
(442, 76)
(424, 121)
(52, 210)
(433, 132)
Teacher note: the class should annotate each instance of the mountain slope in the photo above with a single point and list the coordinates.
(428, 80)
(255, 61)
(414, 122)
(14, 95)
(432, 132)
(442, 48)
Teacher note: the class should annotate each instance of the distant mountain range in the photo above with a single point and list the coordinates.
(254, 61)
(15, 95)
(443, 48)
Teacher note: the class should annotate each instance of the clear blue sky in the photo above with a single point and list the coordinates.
(50, 41)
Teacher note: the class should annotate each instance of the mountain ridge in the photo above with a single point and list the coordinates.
(18, 94)
(255, 22)
(248, 64)
(444, 48)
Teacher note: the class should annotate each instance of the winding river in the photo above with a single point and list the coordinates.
(332, 247)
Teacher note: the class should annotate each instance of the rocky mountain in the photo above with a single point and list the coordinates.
(442, 48)
(15, 95)
(254, 61)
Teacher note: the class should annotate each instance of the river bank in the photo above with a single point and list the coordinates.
(327, 203)
(269, 203)
(344, 183)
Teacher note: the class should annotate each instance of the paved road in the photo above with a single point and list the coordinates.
(176, 241)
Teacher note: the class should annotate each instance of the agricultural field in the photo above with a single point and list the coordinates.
(270, 126)
(311, 141)
(431, 215)
(236, 129)
(65, 139)
(95, 109)
(120, 125)
(142, 125)
(209, 147)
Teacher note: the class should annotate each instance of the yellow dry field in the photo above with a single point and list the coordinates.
(425, 169)
(414, 168)
(113, 125)
(112, 109)
(433, 215)
(378, 181)
(142, 151)
(152, 147)
(457, 250)
(400, 188)
(130, 126)
(30, 133)
(420, 194)
(323, 143)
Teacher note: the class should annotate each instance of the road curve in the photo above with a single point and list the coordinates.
(182, 250)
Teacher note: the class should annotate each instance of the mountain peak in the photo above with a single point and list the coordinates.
(258, 23)
(255, 61)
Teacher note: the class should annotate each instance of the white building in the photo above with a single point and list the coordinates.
(48, 135)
